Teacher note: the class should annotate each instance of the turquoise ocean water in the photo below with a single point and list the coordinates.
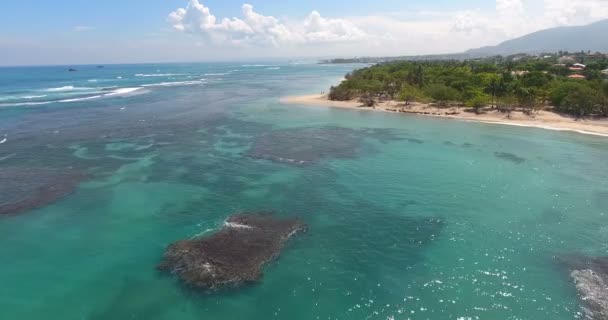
(410, 217)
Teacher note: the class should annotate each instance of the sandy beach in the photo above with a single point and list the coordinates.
(542, 119)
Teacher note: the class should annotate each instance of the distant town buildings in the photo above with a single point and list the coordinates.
(567, 59)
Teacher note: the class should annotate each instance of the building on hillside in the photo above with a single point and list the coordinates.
(577, 76)
(580, 65)
(520, 73)
(576, 69)
(598, 55)
(567, 59)
(605, 72)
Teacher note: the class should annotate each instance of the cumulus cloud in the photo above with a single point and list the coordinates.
(514, 18)
(562, 12)
(422, 32)
(468, 22)
(319, 29)
(258, 29)
(509, 7)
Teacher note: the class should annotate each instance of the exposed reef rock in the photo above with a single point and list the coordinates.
(234, 255)
(590, 276)
(23, 189)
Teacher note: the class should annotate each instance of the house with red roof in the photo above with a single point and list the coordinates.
(577, 76)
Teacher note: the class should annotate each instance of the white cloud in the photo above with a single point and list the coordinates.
(319, 29)
(468, 21)
(416, 32)
(571, 12)
(509, 7)
(514, 18)
(257, 29)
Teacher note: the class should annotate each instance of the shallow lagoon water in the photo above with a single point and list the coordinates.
(409, 217)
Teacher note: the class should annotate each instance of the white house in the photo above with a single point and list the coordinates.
(579, 65)
(605, 72)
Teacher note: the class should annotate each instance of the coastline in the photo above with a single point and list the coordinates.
(543, 119)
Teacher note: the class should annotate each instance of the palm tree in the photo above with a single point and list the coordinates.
(495, 88)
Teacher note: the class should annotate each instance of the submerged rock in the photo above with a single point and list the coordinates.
(304, 146)
(590, 276)
(23, 189)
(234, 255)
(510, 157)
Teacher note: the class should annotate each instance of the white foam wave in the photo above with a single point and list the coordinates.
(236, 225)
(34, 97)
(10, 98)
(66, 88)
(119, 77)
(92, 80)
(8, 157)
(116, 92)
(19, 104)
(273, 68)
(160, 74)
(80, 99)
(256, 65)
(122, 91)
(175, 83)
(216, 74)
(4, 140)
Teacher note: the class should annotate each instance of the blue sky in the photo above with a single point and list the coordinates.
(67, 31)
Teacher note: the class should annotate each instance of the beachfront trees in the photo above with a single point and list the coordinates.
(495, 88)
(410, 93)
(477, 102)
(442, 94)
(536, 79)
(527, 99)
(578, 98)
(506, 104)
(416, 76)
(535, 84)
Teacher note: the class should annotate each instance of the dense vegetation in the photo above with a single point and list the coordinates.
(524, 82)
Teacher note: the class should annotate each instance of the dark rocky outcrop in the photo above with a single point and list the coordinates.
(234, 255)
(23, 189)
(590, 276)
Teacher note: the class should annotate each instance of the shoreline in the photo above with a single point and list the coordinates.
(543, 119)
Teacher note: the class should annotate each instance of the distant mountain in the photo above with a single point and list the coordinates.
(592, 37)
